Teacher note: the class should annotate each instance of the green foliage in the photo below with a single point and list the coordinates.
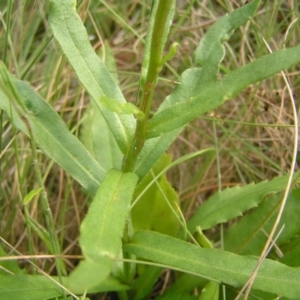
(28, 287)
(155, 209)
(228, 204)
(102, 230)
(135, 212)
(215, 264)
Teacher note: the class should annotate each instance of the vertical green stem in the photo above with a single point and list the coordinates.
(148, 86)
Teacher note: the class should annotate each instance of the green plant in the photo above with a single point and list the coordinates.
(132, 181)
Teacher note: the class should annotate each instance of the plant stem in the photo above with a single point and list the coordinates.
(148, 85)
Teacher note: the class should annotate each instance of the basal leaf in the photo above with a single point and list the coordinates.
(216, 93)
(233, 202)
(73, 39)
(226, 267)
(33, 116)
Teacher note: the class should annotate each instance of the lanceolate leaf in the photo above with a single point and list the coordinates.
(218, 265)
(71, 35)
(233, 202)
(39, 120)
(217, 92)
(102, 229)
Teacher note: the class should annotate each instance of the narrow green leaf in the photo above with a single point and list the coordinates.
(218, 265)
(249, 235)
(31, 195)
(102, 229)
(217, 92)
(101, 143)
(28, 287)
(38, 120)
(42, 233)
(233, 202)
(73, 39)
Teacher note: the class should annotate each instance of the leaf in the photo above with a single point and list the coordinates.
(96, 134)
(109, 284)
(38, 119)
(102, 229)
(99, 140)
(153, 212)
(215, 264)
(72, 37)
(41, 231)
(216, 93)
(8, 266)
(126, 108)
(292, 255)
(88, 275)
(187, 283)
(31, 195)
(204, 70)
(233, 202)
(28, 287)
(249, 235)
(210, 291)
(144, 284)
